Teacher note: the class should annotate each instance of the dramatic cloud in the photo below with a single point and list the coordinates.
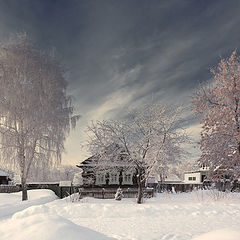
(121, 53)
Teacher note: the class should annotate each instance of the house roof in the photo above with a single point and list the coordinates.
(109, 164)
(116, 156)
(198, 171)
(152, 180)
(172, 178)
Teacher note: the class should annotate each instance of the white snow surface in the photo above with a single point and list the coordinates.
(184, 216)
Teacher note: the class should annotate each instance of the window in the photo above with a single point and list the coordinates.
(100, 179)
(127, 178)
(114, 178)
(192, 178)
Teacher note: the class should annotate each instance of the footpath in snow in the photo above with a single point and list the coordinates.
(185, 216)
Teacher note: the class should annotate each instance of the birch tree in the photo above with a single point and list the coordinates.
(219, 106)
(149, 137)
(35, 112)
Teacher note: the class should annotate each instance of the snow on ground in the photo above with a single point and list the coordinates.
(222, 234)
(185, 216)
(11, 203)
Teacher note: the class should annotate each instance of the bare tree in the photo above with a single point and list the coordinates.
(219, 105)
(149, 137)
(35, 112)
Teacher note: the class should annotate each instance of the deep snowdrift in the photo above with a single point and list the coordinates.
(39, 224)
(222, 234)
(11, 202)
(182, 216)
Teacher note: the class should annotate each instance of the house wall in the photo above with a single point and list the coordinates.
(110, 178)
(114, 178)
(192, 178)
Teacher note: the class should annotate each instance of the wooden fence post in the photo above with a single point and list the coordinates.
(103, 192)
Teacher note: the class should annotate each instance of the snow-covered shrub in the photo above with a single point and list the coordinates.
(119, 194)
(77, 179)
(217, 195)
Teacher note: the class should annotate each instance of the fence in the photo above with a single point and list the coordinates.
(54, 186)
(9, 189)
(177, 187)
(60, 191)
(108, 193)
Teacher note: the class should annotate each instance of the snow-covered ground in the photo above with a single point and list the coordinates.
(184, 216)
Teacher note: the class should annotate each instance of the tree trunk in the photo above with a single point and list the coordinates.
(140, 193)
(140, 188)
(24, 189)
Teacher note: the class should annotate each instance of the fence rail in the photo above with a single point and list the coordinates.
(9, 189)
(177, 187)
(110, 193)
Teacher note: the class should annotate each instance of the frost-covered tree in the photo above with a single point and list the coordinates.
(35, 112)
(184, 166)
(77, 179)
(119, 195)
(149, 138)
(219, 104)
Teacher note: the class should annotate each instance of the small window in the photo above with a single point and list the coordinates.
(100, 179)
(191, 178)
(127, 177)
(114, 178)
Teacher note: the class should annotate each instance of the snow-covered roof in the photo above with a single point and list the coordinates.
(114, 156)
(152, 180)
(172, 178)
(108, 164)
(65, 184)
(189, 172)
(198, 171)
(3, 173)
(42, 182)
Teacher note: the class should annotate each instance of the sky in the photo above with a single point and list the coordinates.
(119, 54)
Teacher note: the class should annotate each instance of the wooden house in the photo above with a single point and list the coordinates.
(115, 172)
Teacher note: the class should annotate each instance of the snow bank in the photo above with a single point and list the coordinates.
(185, 216)
(222, 234)
(39, 224)
(33, 219)
(11, 203)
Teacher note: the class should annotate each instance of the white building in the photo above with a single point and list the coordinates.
(197, 177)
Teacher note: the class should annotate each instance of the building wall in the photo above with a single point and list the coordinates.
(114, 178)
(108, 178)
(192, 178)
